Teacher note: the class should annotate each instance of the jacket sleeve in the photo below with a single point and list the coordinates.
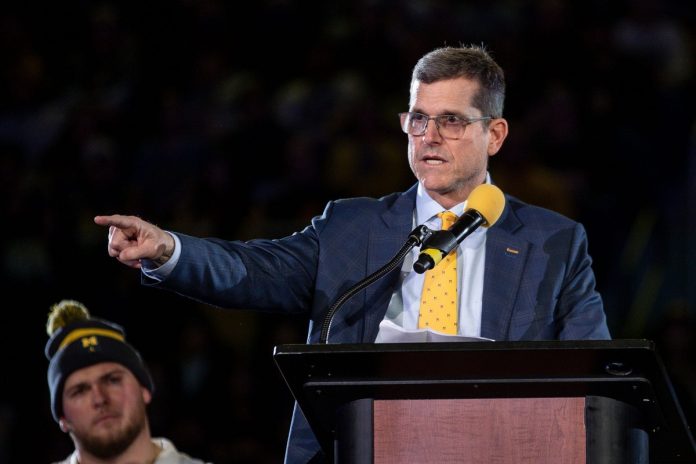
(580, 308)
(276, 275)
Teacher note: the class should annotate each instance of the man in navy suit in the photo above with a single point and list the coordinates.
(528, 277)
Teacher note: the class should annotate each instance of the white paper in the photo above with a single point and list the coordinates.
(392, 333)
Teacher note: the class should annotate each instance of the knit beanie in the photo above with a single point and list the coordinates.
(77, 341)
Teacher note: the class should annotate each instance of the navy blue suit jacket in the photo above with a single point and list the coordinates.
(538, 280)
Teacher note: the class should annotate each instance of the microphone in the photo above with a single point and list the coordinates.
(484, 207)
(416, 237)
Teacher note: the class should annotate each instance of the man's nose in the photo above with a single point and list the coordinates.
(100, 395)
(432, 133)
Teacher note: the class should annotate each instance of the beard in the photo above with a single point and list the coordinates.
(116, 442)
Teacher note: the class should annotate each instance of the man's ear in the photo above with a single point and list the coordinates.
(497, 130)
(147, 396)
(63, 424)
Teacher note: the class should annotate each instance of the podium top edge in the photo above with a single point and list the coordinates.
(618, 344)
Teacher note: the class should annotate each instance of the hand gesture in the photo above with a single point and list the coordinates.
(132, 239)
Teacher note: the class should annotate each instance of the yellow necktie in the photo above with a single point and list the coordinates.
(438, 309)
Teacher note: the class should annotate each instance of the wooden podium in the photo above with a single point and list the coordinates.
(489, 402)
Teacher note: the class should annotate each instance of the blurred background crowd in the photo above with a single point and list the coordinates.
(242, 119)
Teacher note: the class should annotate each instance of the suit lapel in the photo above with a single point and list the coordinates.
(506, 256)
(385, 240)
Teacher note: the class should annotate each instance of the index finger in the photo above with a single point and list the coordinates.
(117, 220)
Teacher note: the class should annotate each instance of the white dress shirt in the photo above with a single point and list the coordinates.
(471, 256)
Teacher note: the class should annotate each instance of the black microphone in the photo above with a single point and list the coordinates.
(484, 207)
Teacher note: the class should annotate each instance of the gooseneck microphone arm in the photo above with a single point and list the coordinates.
(417, 237)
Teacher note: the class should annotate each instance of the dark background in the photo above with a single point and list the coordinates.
(242, 119)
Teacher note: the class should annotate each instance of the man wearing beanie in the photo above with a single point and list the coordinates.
(100, 389)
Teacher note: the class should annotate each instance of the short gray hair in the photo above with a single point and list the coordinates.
(471, 62)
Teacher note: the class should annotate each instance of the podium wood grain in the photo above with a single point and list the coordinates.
(473, 431)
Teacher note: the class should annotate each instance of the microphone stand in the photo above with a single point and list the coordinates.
(416, 237)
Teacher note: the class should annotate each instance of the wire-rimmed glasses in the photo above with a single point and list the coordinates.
(450, 126)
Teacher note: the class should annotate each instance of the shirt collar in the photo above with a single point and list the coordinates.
(427, 208)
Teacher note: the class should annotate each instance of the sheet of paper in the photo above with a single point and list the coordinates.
(392, 333)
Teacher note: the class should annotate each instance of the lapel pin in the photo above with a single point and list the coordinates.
(512, 251)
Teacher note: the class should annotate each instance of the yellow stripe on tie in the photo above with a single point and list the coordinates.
(79, 333)
(512, 250)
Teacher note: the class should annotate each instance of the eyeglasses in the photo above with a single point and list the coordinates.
(450, 126)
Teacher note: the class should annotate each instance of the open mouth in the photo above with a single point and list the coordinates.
(433, 160)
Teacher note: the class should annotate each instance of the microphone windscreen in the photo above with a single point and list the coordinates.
(488, 200)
